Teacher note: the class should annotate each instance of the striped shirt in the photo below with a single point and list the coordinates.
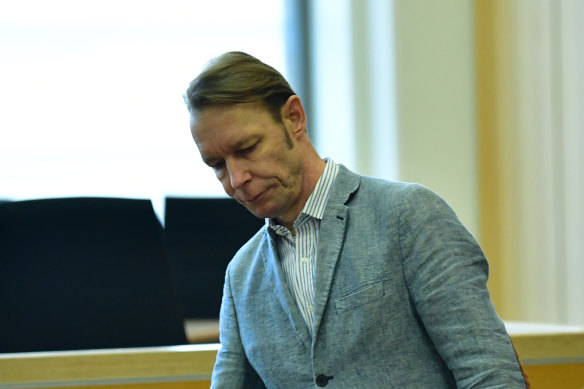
(298, 253)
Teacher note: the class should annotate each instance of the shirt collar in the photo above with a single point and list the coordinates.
(316, 203)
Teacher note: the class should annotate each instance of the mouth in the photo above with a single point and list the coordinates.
(257, 197)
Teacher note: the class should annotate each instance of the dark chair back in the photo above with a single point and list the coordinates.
(84, 273)
(202, 236)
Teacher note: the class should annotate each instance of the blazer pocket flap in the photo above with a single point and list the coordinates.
(360, 297)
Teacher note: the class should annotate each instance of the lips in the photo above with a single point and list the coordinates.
(255, 198)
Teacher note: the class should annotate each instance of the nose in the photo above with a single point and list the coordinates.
(239, 173)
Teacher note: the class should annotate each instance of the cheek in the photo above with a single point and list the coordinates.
(279, 163)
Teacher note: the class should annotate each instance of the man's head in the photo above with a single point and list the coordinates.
(236, 77)
(250, 127)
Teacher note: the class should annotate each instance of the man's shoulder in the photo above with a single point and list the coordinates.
(383, 190)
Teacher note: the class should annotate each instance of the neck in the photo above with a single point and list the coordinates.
(313, 170)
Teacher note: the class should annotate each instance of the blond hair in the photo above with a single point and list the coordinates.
(236, 77)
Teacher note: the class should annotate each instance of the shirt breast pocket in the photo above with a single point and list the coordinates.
(367, 295)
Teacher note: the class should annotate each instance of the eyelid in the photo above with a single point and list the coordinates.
(219, 169)
(217, 165)
(250, 147)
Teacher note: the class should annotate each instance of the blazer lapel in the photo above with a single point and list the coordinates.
(277, 279)
(331, 236)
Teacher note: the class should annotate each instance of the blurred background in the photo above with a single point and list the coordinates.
(480, 100)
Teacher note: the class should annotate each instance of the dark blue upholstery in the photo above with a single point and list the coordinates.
(84, 273)
(202, 235)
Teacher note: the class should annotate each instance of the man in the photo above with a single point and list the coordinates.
(353, 282)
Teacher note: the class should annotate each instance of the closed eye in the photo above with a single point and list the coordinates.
(248, 149)
(218, 168)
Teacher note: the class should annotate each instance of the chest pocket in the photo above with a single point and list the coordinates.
(361, 297)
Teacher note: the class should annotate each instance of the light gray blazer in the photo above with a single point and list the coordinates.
(400, 302)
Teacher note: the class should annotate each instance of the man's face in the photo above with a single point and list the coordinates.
(256, 159)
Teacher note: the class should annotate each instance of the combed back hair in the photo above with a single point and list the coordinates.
(236, 77)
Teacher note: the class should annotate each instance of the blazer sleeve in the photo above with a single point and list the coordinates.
(232, 369)
(446, 272)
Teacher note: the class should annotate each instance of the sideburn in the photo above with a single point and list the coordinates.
(289, 142)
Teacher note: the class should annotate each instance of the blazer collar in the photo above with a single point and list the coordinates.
(332, 232)
(344, 186)
(331, 239)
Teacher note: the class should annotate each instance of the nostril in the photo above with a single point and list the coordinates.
(239, 178)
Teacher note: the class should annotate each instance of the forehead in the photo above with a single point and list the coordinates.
(228, 126)
(217, 119)
(232, 114)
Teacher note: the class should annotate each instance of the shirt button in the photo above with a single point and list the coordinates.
(321, 380)
(310, 308)
(304, 260)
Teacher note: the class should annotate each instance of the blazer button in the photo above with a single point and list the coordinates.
(321, 380)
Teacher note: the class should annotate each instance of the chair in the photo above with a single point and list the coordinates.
(202, 236)
(84, 273)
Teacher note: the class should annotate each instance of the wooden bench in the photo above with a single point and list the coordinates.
(552, 359)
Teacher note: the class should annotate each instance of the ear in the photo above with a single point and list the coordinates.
(294, 117)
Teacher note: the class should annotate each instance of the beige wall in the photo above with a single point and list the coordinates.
(436, 100)
(483, 104)
(530, 73)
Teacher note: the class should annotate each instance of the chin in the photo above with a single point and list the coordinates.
(259, 214)
(262, 212)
